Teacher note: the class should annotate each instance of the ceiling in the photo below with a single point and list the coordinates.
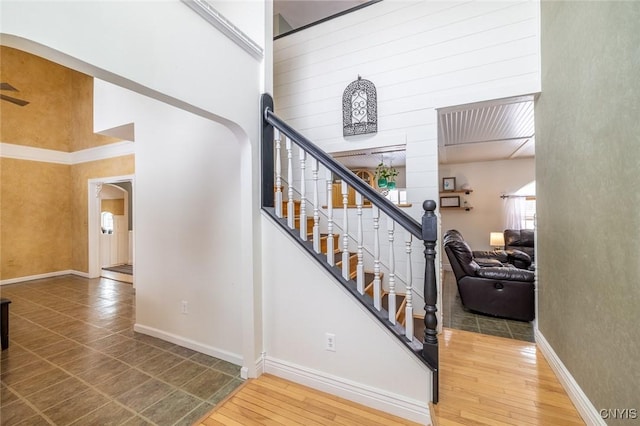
(501, 129)
(298, 13)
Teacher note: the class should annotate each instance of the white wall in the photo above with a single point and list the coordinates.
(164, 50)
(489, 180)
(302, 303)
(160, 48)
(187, 226)
(244, 17)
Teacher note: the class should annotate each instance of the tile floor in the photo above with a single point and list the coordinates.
(74, 359)
(454, 315)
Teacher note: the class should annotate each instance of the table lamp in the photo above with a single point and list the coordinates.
(496, 240)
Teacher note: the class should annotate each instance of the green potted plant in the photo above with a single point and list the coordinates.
(386, 176)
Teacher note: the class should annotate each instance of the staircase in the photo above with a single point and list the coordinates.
(332, 242)
(369, 276)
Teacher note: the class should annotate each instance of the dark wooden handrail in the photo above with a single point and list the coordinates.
(391, 210)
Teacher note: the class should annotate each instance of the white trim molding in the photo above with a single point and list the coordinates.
(190, 344)
(222, 24)
(584, 406)
(118, 149)
(417, 411)
(258, 368)
(29, 153)
(45, 275)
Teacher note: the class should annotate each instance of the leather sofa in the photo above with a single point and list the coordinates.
(516, 258)
(499, 290)
(520, 239)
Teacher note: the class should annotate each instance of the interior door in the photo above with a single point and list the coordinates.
(121, 233)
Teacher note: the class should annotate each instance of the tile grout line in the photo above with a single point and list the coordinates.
(174, 388)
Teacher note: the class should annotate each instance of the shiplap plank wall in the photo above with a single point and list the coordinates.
(421, 55)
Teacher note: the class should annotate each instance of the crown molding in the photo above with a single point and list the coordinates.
(222, 24)
(29, 153)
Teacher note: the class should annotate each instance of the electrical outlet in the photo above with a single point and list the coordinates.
(185, 307)
(330, 342)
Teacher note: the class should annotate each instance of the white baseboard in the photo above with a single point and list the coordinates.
(41, 276)
(585, 408)
(417, 411)
(188, 343)
(80, 274)
(244, 373)
(258, 369)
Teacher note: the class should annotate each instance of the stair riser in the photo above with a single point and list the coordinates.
(296, 223)
(324, 241)
(296, 208)
(353, 262)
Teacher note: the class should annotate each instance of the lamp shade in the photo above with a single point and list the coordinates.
(496, 239)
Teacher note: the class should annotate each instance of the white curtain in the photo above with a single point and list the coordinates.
(514, 210)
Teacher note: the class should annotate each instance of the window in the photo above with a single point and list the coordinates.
(528, 214)
(106, 222)
(529, 219)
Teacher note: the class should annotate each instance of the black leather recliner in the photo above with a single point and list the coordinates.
(502, 291)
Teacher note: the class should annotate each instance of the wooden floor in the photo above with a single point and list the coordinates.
(484, 380)
(270, 400)
(487, 380)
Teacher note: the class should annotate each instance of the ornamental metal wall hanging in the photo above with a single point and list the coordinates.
(359, 108)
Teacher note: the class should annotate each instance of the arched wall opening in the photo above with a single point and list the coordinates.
(191, 227)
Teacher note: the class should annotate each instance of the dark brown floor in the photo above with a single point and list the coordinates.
(75, 359)
(454, 315)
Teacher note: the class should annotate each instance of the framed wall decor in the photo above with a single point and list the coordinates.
(449, 184)
(450, 201)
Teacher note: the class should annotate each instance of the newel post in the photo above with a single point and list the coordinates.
(266, 152)
(430, 344)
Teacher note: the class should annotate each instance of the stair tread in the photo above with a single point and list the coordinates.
(338, 255)
(385, 300)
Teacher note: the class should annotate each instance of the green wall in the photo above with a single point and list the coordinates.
(588, 177)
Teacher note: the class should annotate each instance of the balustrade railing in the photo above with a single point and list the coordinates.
(371, 293)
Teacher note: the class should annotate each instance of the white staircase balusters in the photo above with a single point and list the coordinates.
(278, 203)
(316, 210)
(392, 272)
(345, 231)
(408, 313)
(303, 195)
(360, 266)
(330, 249)
(377, 283)
(290, 205)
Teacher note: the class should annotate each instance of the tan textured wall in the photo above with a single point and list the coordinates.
(60, 113)
(115, 207)
(80, 174)
(588, 171)
(35, 237)
(58, 117)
